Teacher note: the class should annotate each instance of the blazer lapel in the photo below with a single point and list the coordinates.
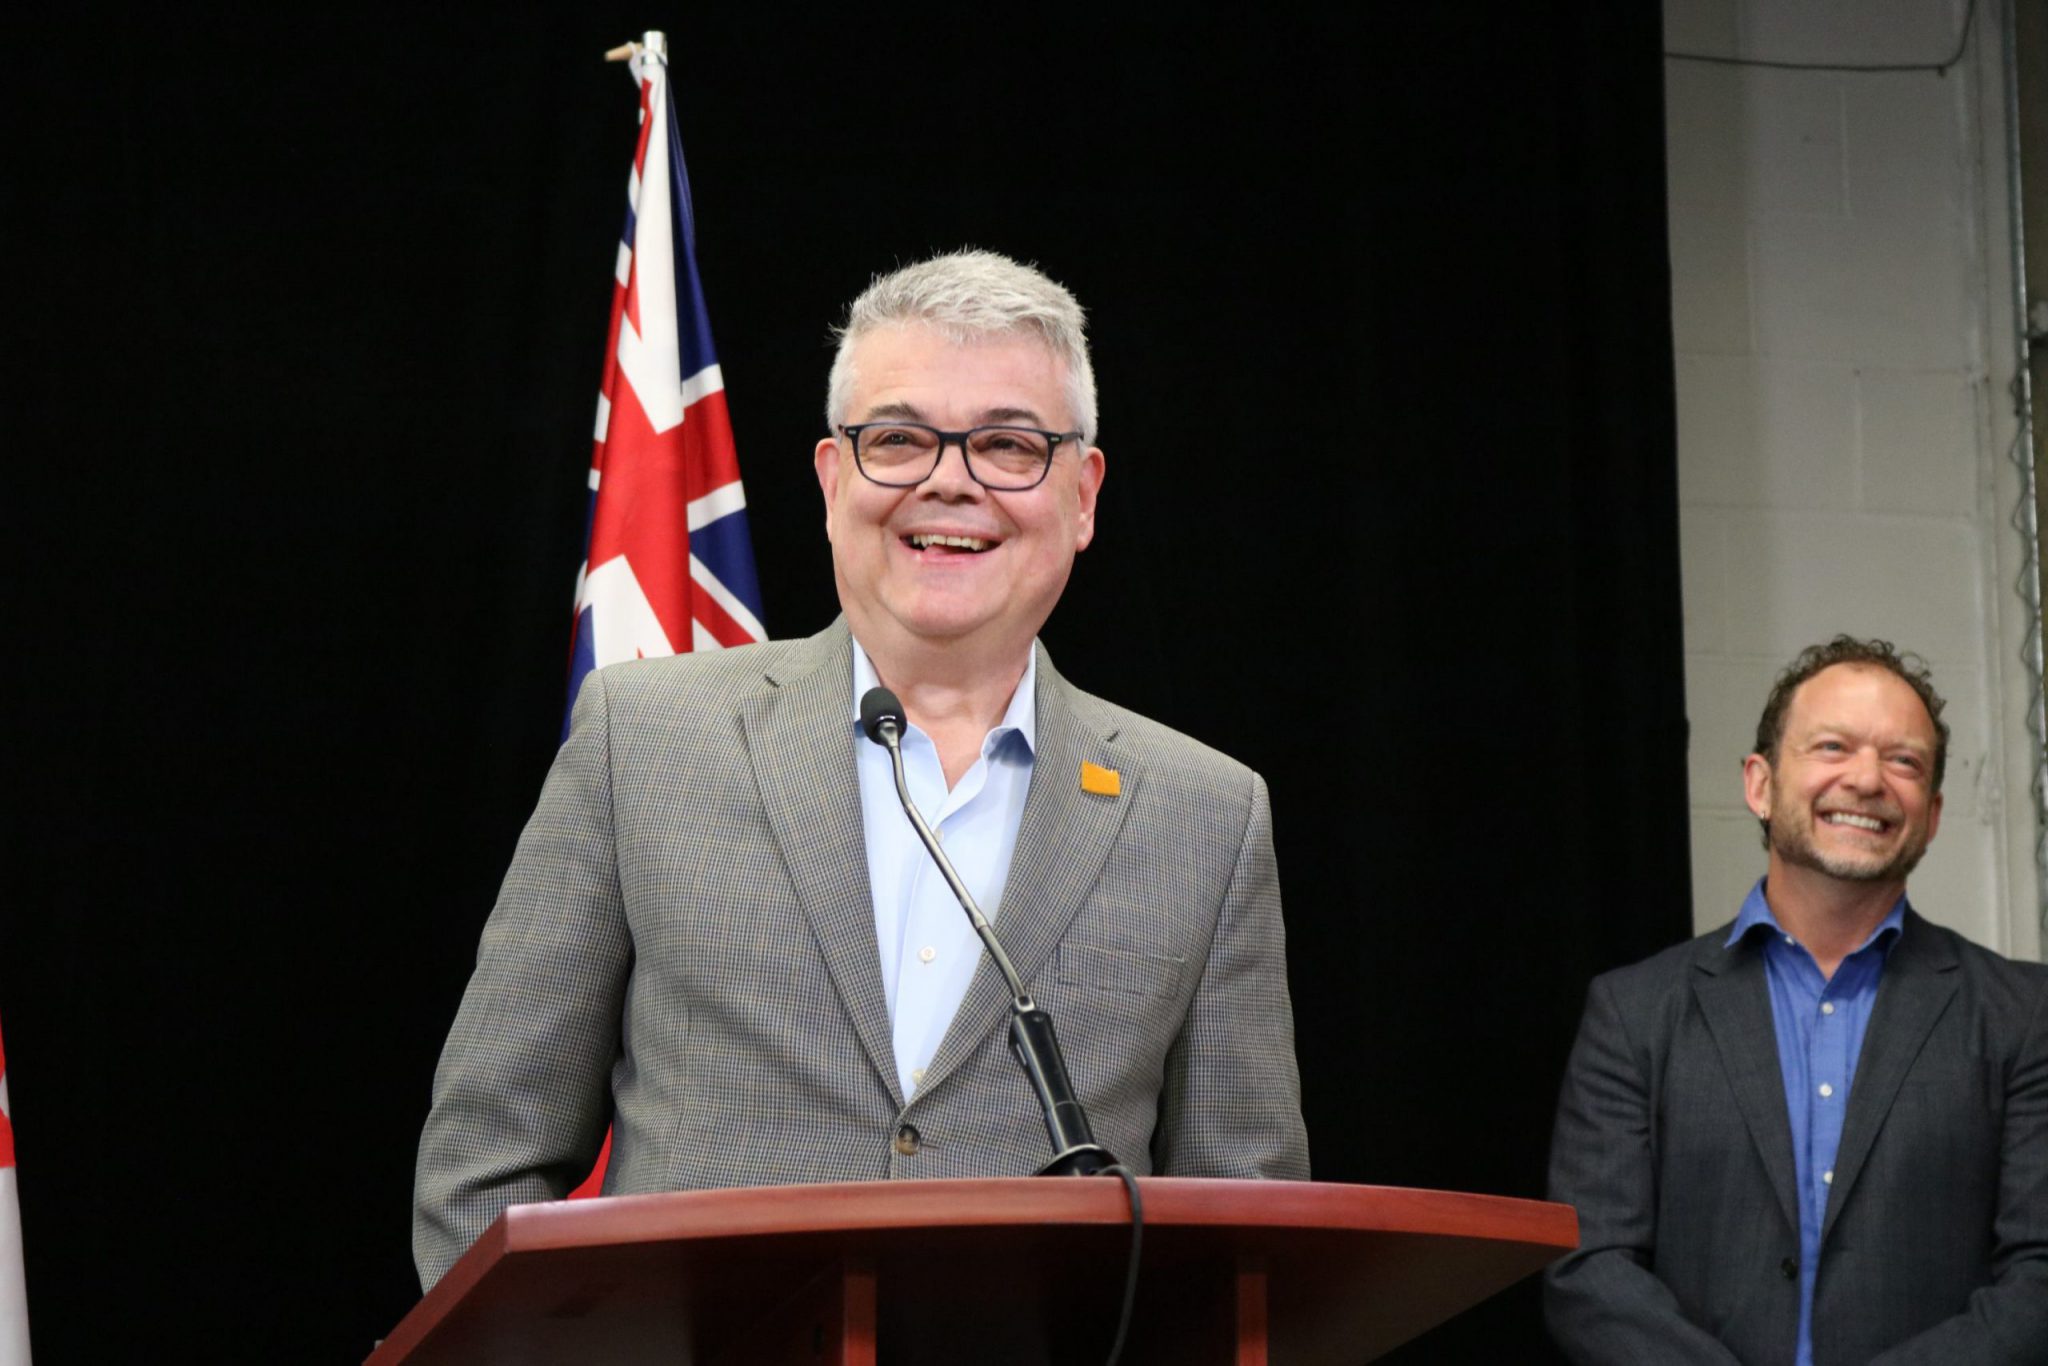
(1919, 982)
(1735, 1000)
(800, 734)
(1064, 840)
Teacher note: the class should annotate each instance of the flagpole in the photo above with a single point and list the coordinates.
(654, 41)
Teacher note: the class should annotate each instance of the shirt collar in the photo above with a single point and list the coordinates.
(1757, 911)
(1020, 718)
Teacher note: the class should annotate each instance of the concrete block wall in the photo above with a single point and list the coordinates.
(1843, 340)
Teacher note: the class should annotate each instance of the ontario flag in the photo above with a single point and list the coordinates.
(13, 1286)
(668, 566)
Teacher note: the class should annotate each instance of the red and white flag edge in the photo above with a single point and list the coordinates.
(13, 1282)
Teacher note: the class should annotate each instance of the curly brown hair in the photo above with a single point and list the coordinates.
(1847, 649)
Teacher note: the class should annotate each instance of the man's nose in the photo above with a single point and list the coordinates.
(1866, 770)
(950, 477)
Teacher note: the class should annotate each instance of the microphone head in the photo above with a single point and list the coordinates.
(879, 707)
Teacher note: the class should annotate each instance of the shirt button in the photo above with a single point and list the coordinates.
(1827, 1007)
(1789, 1269)
(1826, 1090)
(926, 954)
(1790, 940)
(917, 1075)
(1828, 1177)
(907, 1139)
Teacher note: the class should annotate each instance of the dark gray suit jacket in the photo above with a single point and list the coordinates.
(685, 946)
(1672, 1140)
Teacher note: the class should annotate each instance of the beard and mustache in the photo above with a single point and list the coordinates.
(1794, 839)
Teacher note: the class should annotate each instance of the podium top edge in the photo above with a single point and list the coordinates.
(1187, 1202)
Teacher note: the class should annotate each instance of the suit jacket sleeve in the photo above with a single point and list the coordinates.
(1231, 1104)
(521, 1095)
(1603, 1304)
(2007, 1321)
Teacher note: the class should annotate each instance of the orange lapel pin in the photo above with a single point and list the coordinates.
(1104, 782)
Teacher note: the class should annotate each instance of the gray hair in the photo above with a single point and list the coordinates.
(968, 296)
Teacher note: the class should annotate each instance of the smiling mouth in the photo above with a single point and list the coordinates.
(968, 545)
(1856, 822)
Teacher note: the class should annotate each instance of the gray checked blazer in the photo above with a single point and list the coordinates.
(1672, 1140)
(684, 946)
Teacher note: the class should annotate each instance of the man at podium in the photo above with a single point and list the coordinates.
(720, 934)
(1819, 1134)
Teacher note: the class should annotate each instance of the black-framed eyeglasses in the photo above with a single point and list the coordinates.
(901, 455)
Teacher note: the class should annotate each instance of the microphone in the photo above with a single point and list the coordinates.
(1032, 1040)
(878, 708)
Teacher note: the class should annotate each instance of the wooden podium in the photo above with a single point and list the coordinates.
(975, 1273)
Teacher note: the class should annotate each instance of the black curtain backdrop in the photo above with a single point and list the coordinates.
(307, 318)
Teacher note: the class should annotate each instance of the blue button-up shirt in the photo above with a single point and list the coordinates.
(928, 949)
(1820, 1023)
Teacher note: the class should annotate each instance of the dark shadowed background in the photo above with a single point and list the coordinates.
(306, 319)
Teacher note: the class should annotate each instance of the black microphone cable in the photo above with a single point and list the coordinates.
(1123, 1318)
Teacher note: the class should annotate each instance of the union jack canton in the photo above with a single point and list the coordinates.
(668, 565)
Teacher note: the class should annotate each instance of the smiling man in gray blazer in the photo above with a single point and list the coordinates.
(720, 936)
(1819, 1135)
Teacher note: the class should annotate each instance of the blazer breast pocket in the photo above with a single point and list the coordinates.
(1952, 1085)
(1126, 972)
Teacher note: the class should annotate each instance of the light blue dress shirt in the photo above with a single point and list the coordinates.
(1820, 1023)
(929, 950)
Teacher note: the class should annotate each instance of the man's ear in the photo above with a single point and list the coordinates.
(1757, 786)
(1092, 465)
(825, 460)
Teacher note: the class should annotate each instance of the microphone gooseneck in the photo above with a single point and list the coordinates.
(1032, 1040)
